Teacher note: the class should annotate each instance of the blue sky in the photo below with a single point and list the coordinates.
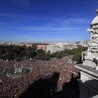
(46, 20)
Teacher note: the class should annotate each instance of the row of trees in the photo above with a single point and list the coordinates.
(13, 52)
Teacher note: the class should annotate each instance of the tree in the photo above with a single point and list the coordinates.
(32, 53)
(77, 57)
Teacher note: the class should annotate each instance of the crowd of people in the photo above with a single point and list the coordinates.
(14, 87)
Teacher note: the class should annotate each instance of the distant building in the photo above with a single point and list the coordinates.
(85, 43)
(72, 46)
(1, 43)
(25, 44)
(59, 47)
(42, 46)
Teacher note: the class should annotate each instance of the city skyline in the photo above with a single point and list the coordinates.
(46, 20)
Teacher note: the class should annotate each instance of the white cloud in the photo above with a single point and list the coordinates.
(45, 28)
(74, 21)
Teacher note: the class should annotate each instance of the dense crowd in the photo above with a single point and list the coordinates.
(14, 87)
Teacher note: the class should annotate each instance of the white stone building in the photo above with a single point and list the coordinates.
(91, 58)
(89, 69)
(56, 47)
(60, 47)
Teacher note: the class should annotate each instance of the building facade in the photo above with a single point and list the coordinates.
(56, 47)
(89, 69)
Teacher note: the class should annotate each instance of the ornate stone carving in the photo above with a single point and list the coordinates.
(92, 53)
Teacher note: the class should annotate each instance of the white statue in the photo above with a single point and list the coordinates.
(18, 68)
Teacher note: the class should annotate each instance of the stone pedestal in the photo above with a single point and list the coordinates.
(88, 82)
(89, 63)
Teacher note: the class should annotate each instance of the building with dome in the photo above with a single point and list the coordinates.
(91, 56)
(89, 69)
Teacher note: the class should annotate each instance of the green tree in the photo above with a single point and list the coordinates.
(77, 57)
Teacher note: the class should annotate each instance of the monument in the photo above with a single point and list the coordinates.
(18, 68)
(18, 71)
(91, 57)
(89, 69)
